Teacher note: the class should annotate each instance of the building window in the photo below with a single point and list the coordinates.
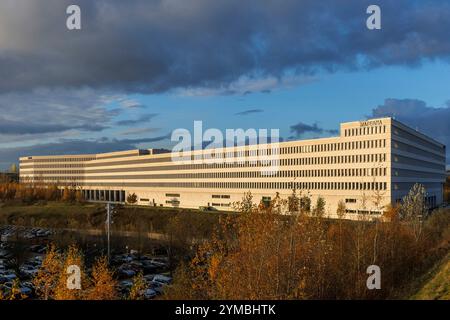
(174, 195)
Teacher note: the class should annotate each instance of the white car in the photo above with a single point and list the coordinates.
(162, 279)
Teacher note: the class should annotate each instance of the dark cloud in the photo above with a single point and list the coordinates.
(434, 122)
(145, 140)
(20, 127)
(152, 46)
(43, 111)
(247, 112)
(301, 128)
(11, 155)
(142, 119)
(139, 131)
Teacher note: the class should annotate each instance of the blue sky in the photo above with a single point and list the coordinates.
(139, 69)
(327, 100)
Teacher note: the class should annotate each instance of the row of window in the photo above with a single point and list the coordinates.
(102, 195)
(62, 159)
(339, 146)
(220, 204)
(352, 172)
(356, 158)
(220, 196)
(345, 159)
(418, 140)
(34, 166)
(254, 185)
(173, 202)
(173, 195)
(364, 131)
(363, 212)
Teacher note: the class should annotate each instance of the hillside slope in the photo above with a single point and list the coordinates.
(437, 287)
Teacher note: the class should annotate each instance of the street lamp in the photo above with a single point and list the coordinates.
(109, 215)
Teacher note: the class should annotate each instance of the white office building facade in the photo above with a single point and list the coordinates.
(370, 165)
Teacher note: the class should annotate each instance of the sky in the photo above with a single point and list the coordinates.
(137, 70)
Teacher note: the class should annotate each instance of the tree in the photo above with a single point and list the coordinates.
(277, 205)
(48, 274)
(340, 212)
(179, 235)
(137, 291)
(51, 192)
(319, 209)
(132, 198)
(68, 194)
(341, 209)
(264, 255)
(73, 257)
(103, 282)
(79, 196)
(293, 202)
(246, 205)
(270, 256)
(413, 209)
(13, 168)
(14, 293)
(305, 204)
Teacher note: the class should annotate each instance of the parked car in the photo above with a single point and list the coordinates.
(149, 293)
(157, 286)
(162, 279)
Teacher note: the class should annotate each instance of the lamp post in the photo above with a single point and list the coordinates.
(109, 213)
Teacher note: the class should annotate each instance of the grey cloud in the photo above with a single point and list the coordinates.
(432, 121)
(301, 128)
(137, 131)
(142, 119)
(155, 46)
(68, 146)
(18, 127)
(247, 112)
(145, 140)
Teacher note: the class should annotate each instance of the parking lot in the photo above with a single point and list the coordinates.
(22, 251)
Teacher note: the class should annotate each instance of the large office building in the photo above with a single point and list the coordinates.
(370, 165)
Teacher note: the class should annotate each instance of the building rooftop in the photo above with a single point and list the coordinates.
(343, 126)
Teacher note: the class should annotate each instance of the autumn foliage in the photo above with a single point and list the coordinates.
(262, 254)
(52, 278)
(30, 192)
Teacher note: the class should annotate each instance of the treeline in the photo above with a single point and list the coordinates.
(33, 192)
(264, 254)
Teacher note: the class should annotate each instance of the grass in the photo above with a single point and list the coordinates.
(92, 216)
(436, 283)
